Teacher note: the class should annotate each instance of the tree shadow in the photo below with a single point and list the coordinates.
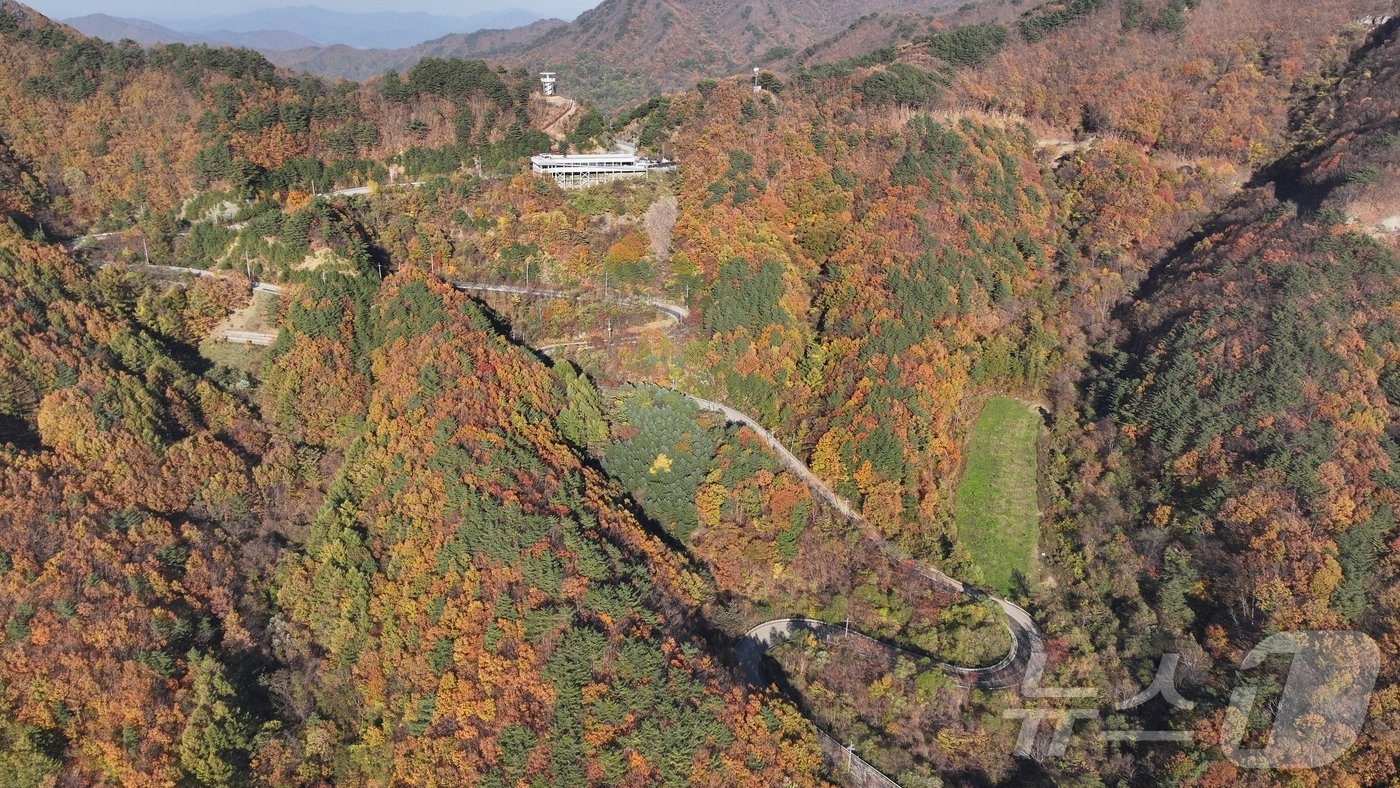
(19, 432)
(1020, 585)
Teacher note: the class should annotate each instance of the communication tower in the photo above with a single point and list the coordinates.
(757, 88)
(547, 81)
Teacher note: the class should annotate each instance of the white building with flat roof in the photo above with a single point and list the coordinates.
(577, 171)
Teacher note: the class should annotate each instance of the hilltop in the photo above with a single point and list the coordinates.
(113, 28)
(623, 51)
(279, 29)
(351, 63)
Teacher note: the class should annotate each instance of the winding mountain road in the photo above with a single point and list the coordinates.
(1027, 645)
(358, 191)
(676, 311)
(1021, 662)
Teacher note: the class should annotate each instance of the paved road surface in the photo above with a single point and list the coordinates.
(1026, 641)
(676, 311)
(1022, 662)
(260, 338)
(361, 190)
(261, 287)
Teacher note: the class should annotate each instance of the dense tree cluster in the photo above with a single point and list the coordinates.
(253, 615)
(1043, 19)
(114, 131)
(1242, 449)
(485, 609)
(130, 539)
(969, 45)
(1210, 78)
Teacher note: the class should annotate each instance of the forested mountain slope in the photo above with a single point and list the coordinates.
(873, 261)
(117, 134)
(351, 63)
(669, 44)
(1243, 449)
(129, 542)
(1215, 76)
(180, 600)
(470, 587)
(402, 550)
(623, 51)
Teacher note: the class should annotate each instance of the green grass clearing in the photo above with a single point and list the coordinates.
(247, 358)
(997, 514)
(260, 314)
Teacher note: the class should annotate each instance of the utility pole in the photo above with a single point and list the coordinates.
(527, 275)
(248, 265)
(313, 187)
(146, 249)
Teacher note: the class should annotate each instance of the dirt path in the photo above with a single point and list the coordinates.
(555, 128)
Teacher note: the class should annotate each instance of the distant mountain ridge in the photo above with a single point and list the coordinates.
(360, 64)
(300, 27)
(623, 51)
(112, 28)
(380, 29)
(618, 53)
